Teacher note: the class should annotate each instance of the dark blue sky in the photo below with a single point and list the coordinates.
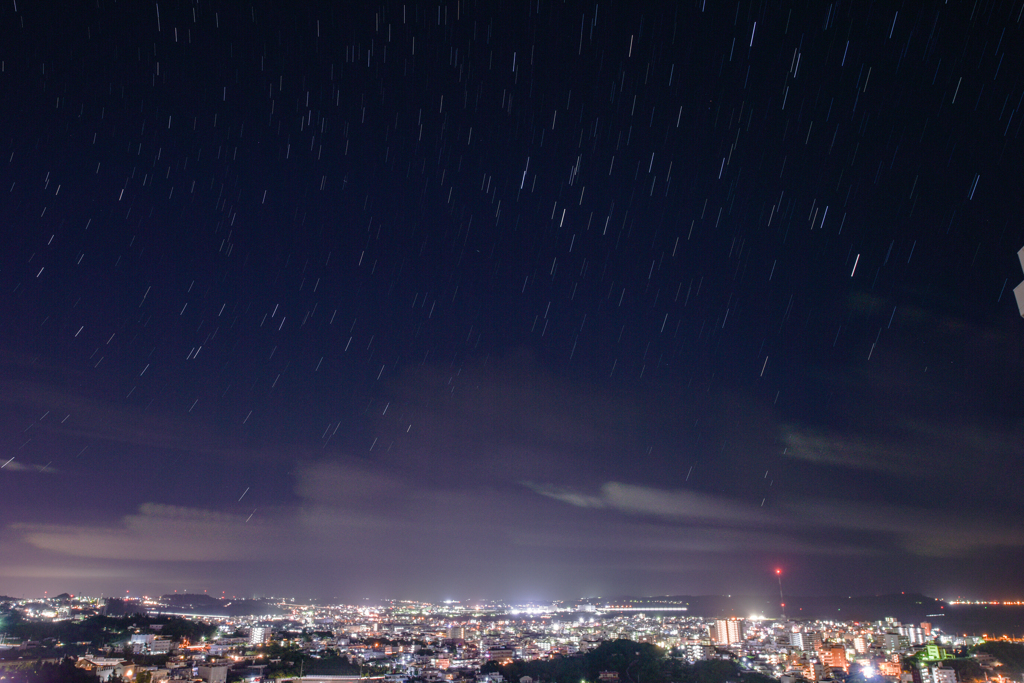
(534, 301)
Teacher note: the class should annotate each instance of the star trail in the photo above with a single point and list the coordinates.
(515, 300)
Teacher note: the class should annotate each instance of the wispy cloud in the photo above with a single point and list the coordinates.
(924, 532)
(701, 521)
(838, 450)
(13, 465)
(65, 572)
(640, 538)
(680, 505)
(160, 532)
(565, 495)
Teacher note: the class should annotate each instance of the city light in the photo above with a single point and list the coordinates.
(405, 639)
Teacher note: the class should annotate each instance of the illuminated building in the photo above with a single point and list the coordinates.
(934, 653)
(834, 657)
(502, 655)
(726, 631)
(104, 667)
(889, 669)
(213, 673)
(259, 635)
(806, 641)
(915, 634)
(147, 643)
(891, 642)
(698, 651)
(814, 671)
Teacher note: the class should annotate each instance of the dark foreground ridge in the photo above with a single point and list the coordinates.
(630, 662)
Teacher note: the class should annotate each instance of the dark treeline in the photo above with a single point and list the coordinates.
(1009, 655)
(633, 662)
(49, 672)
(102, 630)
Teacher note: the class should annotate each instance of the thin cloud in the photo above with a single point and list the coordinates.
(841, 451)
(13, 465)
(651, 540)
(923, 532)
(645, 500)
(97, 419)
(65, 572)
(160, 532)
(575, 498)
(707, 523)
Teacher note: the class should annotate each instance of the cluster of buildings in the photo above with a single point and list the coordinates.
(406, 642)
(831, 650)
(179, 669)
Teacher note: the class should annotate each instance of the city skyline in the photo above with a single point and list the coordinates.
(414, 641)
(526, 301)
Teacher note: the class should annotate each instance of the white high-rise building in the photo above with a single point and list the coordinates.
(807, 641)
(726, 631)
(259, 635)
(914, 634)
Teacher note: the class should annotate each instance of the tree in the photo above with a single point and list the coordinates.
(63, 672)
(634, 662)
(1010, 655)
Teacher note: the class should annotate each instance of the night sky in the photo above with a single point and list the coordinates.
(512, 300)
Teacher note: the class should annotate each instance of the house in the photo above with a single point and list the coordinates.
(105, 667)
